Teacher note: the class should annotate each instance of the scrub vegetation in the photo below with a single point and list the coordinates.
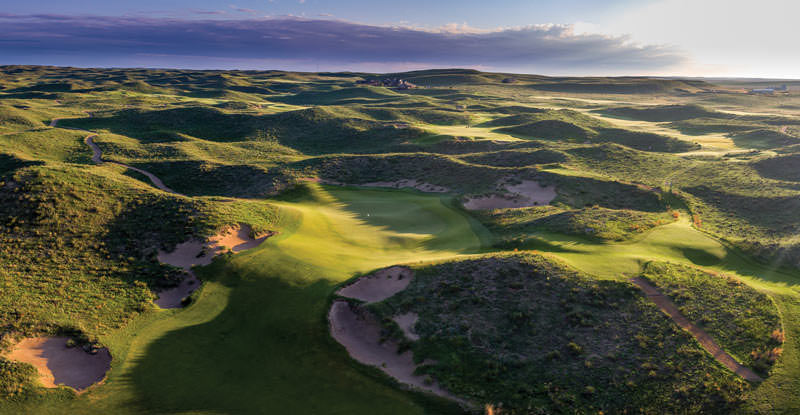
(690, 185)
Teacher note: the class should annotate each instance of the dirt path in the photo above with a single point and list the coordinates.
(58, 364)
(97, 158)
(708, 343)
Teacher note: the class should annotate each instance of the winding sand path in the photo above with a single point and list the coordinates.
(708, 343)
(97, 158)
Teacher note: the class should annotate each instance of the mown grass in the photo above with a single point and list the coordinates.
(228, 139)
(173, 362)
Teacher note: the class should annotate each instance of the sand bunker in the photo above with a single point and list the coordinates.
(526, 194)
(380, 285)
(406, 322)
(197, 253)
(58, 364)
(360, 334)
(237, 238)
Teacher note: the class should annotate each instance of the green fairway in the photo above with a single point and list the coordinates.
(680, 242)
(256, 340)
(645, 171)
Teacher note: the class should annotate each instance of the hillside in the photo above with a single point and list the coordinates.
(531, 211)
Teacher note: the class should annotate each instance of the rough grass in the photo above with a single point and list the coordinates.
(220, 135)
(742, 320)
(494, 323)
(514, 227)
(280, 291)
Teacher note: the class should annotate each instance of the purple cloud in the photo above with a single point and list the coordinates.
(543, 48)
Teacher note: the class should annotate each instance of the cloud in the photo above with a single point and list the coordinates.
(243, 9)
(332, 43)
(739, 38)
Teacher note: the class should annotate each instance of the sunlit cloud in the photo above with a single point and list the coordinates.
(338, 44)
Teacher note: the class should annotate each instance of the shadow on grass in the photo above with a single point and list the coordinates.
(269, 351)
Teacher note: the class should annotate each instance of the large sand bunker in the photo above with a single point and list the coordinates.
(195, 252)
(58, 364)
(526, 194)
(378, 286)
(360, 334)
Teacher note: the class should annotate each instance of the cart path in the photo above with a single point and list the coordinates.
(708, 343)
(97, 158)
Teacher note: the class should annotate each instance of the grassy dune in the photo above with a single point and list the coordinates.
(176, 361)
(622, 153)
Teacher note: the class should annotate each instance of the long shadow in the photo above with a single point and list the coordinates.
(312, 130)
(268, 352)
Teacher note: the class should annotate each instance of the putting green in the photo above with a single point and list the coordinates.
(256, 339)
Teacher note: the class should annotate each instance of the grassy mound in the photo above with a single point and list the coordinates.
(664, 113)
(431, 168)
(199, 178)
(79, 249)
(315, 130)
(550, 129)
(518, 228)
(361, 94)
(764, 139)
(14, 119)
(645, 141)
(516, 158)
(742, 320)
(623, 85)
(531, 335)
(780, 168)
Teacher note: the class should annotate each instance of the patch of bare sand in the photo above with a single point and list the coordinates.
(236, 238)
(526, 194)
(360, 333)
(58, 364)
(379, 285)
(406, 322)
(197, 253)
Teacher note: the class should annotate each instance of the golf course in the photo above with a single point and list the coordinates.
(558, 249)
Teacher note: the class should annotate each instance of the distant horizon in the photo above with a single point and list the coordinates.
(666, 38)
(155, 68)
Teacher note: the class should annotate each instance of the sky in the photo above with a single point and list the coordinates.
(712, 38)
